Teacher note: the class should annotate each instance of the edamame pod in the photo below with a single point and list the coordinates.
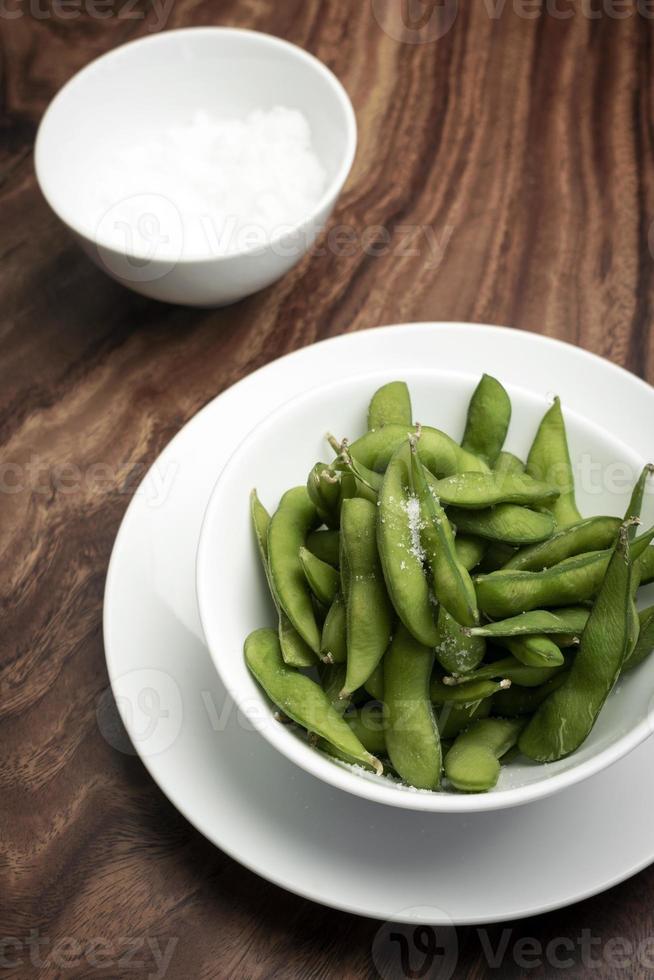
(533, 651)
(470, 550)
(294, 518)
(323, 579)
(374, 686)
(440, 454)
(332, 678)
(325, 545)
(295, 651)
(549, 461)
(644, 567)
(508, 523)
(458, 652)
(324, 489)
(519, 702)
(564, 721)
(508, 593)
(496, 556)
(572, 619)
(367, 605)
(451, 583)
(368, 725)
(391, 405)
(472, 765)
(469, 692)
(593, 534)
(454, 718)
(400, 550)
(489, 415)
(412, 737)
(301, 699)
(509, 668)
(333, 642)
(645, 642)
(636, 503)
(508, 463)
(477, 491)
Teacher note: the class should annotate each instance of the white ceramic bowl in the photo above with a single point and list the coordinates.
(233, 596)
(163, 80)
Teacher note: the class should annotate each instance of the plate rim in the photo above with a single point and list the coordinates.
(170, 794)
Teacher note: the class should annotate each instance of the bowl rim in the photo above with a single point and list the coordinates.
(327, 200)
(348, 778)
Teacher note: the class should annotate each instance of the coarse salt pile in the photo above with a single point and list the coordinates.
(211, 187)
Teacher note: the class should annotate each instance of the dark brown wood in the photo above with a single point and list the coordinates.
(522, 145)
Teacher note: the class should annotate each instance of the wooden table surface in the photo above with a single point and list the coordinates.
(508, 156)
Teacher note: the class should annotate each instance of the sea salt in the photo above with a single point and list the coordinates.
(210, 187)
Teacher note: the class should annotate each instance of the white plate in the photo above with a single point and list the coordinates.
(269, 815)
(280, 452)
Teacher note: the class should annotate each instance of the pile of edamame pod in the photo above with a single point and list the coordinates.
(443, 606)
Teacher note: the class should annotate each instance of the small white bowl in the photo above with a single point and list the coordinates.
(161, 81)
(233, 596)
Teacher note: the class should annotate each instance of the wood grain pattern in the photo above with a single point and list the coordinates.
(505, 175)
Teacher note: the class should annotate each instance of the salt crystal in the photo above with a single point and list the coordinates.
(236, 183)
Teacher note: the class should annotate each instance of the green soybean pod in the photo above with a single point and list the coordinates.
(636, 503)
(593, 534)
(533, 651)
(324, 489)
(549, 461)
(645, 642)
(301, 699)
(325, 545)
(366, 483)
(473, 763)
(496, 557)
(478, 491)
(469, 692)
(510, 669)
(454, 718)
(374, 686)
(644, 567)
(324, 581)
(508, 463)
(295, 651)
(564, 721)
(440, 454)
(368, 725)
(294, 518)
(369, 613)
(391, 405)
(564, 621)
(520, 702)
(333, 642)
(470, 550)
(489, 416)
(400, 550)
(508, 593)
(457, 650)
(332, 678)
(507, 523)
(451, 583)
(412, 737)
